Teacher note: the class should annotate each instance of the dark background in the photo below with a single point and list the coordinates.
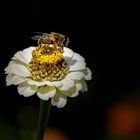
(108, 38)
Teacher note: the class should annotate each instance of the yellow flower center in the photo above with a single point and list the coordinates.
(48, 64)
(47, 54)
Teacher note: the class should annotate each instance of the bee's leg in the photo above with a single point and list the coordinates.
(38, 42)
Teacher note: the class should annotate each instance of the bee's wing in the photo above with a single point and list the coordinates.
(40, 34)
(36, 37)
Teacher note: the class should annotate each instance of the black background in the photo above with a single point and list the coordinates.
(106, 37)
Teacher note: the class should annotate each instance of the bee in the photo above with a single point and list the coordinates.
(55, 39)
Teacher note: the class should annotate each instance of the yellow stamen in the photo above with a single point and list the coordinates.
(47, 54)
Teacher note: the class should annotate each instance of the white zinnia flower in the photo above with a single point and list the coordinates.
(48, 72)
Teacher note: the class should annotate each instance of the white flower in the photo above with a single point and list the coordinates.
(56, 83)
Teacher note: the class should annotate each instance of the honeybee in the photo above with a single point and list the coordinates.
(56, 39)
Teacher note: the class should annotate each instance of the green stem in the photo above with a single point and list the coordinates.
(44, 111)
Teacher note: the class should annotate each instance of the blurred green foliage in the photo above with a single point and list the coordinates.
(7, 132)
(24, 127)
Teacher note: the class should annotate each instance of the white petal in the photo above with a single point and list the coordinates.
(68, 53)
(66, 85)
(76, 65)
(13, 79)
(72, 92)
(74, 76)
(81, 85)
(54, 83)
(19, 70)
(59, 100)
(75, 94)
(8, 68)
(47, 92)
(26, 90)
(78, 57)
(84, 86)
(88, 74)
(25, 55)
(36, 83)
